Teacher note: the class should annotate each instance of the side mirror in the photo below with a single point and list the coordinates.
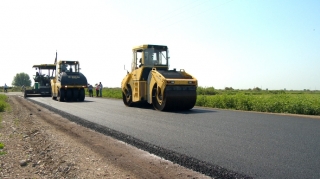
(124, 67)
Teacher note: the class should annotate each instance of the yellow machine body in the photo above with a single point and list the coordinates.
(151, 81)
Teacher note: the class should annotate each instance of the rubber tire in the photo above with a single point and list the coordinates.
(75, 96)
(69, 95)
(81, 94)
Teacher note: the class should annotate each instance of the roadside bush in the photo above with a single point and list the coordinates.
(206, 91)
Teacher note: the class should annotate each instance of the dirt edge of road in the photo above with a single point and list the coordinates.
(42, 144)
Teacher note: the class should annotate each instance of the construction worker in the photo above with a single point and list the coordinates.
(64, 67)
(100, 84)
(90, 89)
(140, 61)
(5, 88)
(97, 89)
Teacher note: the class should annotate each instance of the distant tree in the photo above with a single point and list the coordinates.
(257, 89)
(21, 79)
(228, 88)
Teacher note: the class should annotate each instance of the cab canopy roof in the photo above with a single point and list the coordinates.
(67, 62)
(146, 46)
(45, 66)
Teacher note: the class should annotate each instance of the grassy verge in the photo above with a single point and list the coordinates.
(3, 106)
(12, 89)
(1, 148)
(3, 102)
(0, 122)
(109, 93)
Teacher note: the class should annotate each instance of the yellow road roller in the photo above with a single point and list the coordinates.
(69, 83)
(151, 81)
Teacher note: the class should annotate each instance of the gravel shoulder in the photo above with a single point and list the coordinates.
(42, 144)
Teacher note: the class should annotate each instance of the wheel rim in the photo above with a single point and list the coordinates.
(159, 96)
(127, 97)
(157, 100)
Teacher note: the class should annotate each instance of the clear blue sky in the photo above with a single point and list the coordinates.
(223, 43)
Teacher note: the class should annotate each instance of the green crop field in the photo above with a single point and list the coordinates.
(275, 101)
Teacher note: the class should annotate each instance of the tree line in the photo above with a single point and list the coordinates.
(21, 79)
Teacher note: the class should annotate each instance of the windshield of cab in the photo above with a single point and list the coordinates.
(69, 67)
(155, 57)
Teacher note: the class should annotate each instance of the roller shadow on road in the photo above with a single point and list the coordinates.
(142, 105)
(193, 111)
(38, 96)
(85, 101)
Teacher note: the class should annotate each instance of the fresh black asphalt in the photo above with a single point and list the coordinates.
(218, 143)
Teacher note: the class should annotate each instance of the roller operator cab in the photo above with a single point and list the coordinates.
(151, 81)
(69, 83)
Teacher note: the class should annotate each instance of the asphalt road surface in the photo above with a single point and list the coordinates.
(258, 145)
